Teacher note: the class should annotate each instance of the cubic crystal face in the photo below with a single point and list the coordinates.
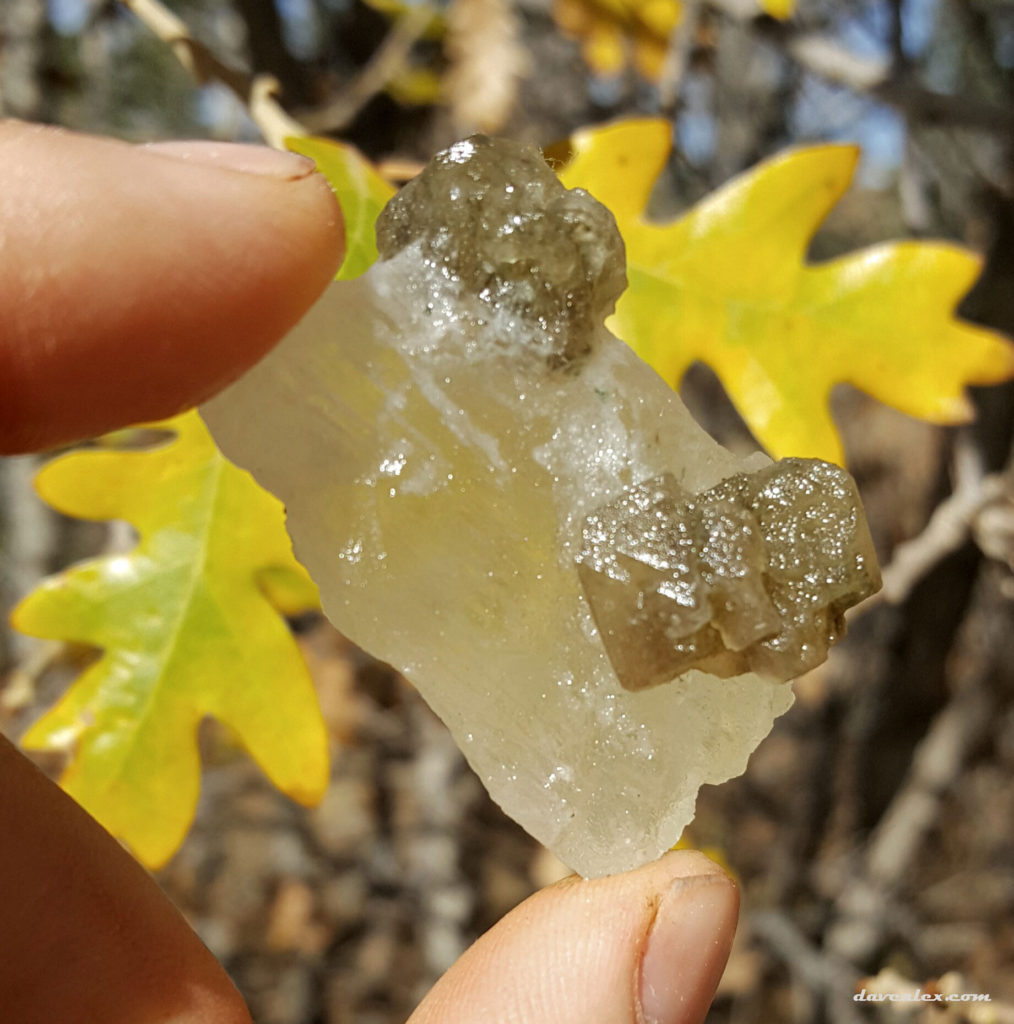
(752, 575)
(497, 497)
(491, 217)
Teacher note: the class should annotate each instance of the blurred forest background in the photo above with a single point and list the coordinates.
(874, 830)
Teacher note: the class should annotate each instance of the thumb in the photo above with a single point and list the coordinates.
(645, 947)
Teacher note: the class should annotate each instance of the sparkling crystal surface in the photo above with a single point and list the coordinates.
(753, 574)
(501, 500)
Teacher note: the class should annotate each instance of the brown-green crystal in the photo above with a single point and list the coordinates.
(492, 216)
(752, 575)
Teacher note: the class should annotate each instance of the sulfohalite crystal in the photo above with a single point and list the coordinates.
(500, 499)
(753, 574)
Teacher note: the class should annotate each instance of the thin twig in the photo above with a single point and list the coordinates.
(677, 57)
(950, 525)
(21, 688)
(864, 902)
(898, 60)
(397, 170)
(385, 63)
(819, 971)
(824, 56)
(258, 93)
(937, 763)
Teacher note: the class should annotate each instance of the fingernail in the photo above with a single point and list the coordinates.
(234, 156)
(687, 948)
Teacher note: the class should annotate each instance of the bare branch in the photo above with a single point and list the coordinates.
(22, 23)
(382, 67)
(933, 108)
(487, 63)
(831, 61)
(938, 761)
(20, 689)
(819, 971)
(265, 44)
(864, 902)
(398, 171)
(677, 57)
(898, 60)
(883, 80)
(257, 93)
(950, 525)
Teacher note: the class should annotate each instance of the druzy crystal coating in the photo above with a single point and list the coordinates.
(486, 485)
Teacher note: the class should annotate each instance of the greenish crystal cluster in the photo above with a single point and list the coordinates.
(493, 220)
(751, 575)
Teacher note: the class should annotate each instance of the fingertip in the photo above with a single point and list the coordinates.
(687, 947)
(135, 282)
(644, 947)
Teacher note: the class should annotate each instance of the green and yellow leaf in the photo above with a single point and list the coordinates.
(361, 192)
(186, 630)
(728, 284)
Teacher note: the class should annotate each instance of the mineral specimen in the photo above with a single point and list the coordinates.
(500, 499)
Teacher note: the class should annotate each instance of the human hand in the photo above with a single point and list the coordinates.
(135, 282)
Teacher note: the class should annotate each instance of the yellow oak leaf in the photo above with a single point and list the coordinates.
(728, 284)
(186, 630)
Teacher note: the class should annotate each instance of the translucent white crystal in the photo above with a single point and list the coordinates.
(444, 432)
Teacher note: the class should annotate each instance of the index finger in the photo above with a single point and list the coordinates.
(135, 281)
